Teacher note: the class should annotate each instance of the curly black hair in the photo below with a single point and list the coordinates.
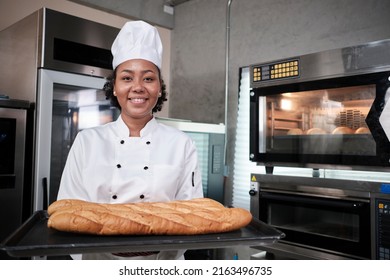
(109, 89)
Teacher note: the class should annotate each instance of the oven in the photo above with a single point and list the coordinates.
(328, 218)
(327, 108)
(15, 165)
(323, 112)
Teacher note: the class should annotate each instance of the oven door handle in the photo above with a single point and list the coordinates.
(314, 201)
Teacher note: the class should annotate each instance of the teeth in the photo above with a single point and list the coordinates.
(137, 100)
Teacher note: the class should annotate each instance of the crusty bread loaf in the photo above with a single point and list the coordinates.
(343, 130)
(315, 130)
(295, 131)
(181, 217)
(362, 130)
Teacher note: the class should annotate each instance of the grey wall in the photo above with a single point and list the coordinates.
(260, 30)
(149, 10)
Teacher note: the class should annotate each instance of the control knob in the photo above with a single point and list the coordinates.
(252, 192)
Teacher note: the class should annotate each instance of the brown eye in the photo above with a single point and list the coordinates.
(126, 78)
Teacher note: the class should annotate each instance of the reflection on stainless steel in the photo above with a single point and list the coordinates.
(372, 57)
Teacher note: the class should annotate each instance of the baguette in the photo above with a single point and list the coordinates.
(180, 217)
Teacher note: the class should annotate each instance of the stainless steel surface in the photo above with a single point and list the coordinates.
(48, 92)
(366, 58)
(54, 50)
(337, 190)
(307, 112)
(346, 87)
(320, 186)
(28, 45)
(12, 185)
(19, 48)
(284, 250)
(78, 30)
(227, 57)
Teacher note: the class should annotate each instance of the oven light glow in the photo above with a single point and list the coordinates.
(286, 104)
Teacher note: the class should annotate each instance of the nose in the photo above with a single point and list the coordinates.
(137, 85)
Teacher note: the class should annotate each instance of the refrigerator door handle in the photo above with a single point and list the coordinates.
(45, 194)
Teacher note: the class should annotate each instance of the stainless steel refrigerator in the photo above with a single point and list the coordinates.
(59, 63)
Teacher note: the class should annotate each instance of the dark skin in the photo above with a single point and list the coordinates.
(132, 79)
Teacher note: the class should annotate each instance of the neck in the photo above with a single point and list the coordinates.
(135, 125)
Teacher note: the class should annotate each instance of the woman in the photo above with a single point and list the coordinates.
(134, 159)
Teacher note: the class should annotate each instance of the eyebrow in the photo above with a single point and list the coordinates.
(143, 71)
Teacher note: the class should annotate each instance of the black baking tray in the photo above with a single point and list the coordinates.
(34, 238)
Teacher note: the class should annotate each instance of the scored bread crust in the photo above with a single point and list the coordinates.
(180, 217)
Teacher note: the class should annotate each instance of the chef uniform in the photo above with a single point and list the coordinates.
(105, 165)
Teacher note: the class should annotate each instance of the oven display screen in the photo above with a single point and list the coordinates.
(275, 71)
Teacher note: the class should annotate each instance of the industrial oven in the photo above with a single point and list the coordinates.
(326, 110)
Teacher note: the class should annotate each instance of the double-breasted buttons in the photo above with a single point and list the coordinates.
(146, 167)
(142, 196)
(122, 142)
(118, 165)
(114, 196)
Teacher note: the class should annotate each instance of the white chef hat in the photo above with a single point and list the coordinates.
(137, 40)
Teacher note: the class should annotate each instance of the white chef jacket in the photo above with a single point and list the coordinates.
(105, 165)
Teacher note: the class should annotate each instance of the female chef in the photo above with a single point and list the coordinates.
(135, 158)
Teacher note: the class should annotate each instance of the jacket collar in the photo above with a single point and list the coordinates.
(123, 131)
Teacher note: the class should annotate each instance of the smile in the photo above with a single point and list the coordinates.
(137, 100)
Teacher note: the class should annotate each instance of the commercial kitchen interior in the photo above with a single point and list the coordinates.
(202, 37)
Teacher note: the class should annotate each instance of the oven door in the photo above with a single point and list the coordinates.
(333, 225)
(333, 121)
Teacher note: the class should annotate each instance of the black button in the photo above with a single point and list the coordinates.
(142, 196)
(148, 143)
(114, 196)
(118, 165)
(122, 141)
(146, 168)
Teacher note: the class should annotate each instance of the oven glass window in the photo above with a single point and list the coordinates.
(316, 221)
(327, 122)
(7, 145)
(74, 109)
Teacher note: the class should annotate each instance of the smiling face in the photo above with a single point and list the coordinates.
(137, 87)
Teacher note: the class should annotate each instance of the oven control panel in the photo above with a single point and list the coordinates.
(275, 71)
(383, 229)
